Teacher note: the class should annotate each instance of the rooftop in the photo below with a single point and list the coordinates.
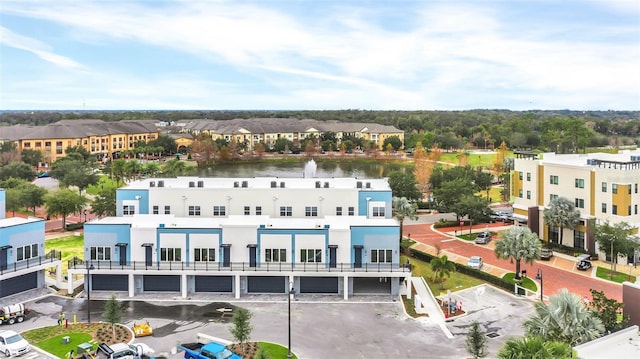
(379, 184)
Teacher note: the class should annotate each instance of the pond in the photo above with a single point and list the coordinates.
(289, 169)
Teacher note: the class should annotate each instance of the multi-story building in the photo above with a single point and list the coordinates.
(604, 187)
(22, 258)
(247, 235)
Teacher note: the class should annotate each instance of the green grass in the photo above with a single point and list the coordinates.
(273, 350)
(457, 281)
(56, 347)
(471, 237)
(618, 277)
(103, 182)
(50, 338)
(526, 282)
(70, 246)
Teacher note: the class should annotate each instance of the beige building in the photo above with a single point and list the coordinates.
(603, 187)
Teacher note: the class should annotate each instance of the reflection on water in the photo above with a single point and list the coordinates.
(324, 169)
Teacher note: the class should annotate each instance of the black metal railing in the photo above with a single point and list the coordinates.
(241, 266)
(31, 262)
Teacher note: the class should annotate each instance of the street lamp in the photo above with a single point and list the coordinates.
(88, 288)
(291, 291)
(539, 277)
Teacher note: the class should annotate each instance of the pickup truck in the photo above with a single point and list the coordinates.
(206, 348)
(12, 343)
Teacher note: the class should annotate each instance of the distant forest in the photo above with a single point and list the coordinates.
(562, 131)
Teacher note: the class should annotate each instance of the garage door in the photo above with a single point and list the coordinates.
(118, 282)
(214, 284)
(266, 285)
(318, 284)
(376, 285)
(161, 283)
(18, 284)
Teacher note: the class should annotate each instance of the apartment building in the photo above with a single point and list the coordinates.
(22, 258)
(269, 130)
(247, 235)
(604, 187)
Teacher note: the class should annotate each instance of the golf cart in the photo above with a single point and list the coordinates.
(584, 262)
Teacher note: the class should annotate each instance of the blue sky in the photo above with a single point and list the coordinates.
(319, 54)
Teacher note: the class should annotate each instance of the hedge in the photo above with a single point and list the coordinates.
(74, 226)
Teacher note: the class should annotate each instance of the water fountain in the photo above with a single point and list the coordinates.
(310, 169)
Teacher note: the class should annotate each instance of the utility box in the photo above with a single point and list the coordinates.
(84, 348)
(66, 340)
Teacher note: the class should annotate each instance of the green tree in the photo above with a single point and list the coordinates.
(104, 203)
(402, 209)
(533, 346)
(31, 157)
(281, 144)
(112, 313)
(404, 185)
(32, 196)
(175, 168)
(241, 326)
(517, 244)
(564, 319)
(62, 203)
(476, 341)
(561, 213)
(17, 170)
(442, 267)
(167, 143)
(394, 141)
(447, 197)
(74, 170)
(13, 200)
(616, 240)
(86, 155)
(472, 206)
(608, 310)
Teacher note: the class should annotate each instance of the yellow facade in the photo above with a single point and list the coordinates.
(622, 199)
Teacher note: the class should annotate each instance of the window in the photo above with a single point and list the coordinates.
(614, 209)
(629, 189)
(604, 186)
(26, 252)
(167, 209)
(614, 188)
(528, 194)
(219, 211)
(311, 255)
(128, 210)
(247, 210)
(629, 211)
(635, 209)
(204, 254)
(528, 176)
(552, 197)
(553, 179)
(579, 183)
(604, 208)
(520, 193)
(170, 254)
(156, 210)
(381, 256)
(275, 255)
(258, 211)
(520, 176)
(194, 210)
(578, 239)
(286, 211)
(579, 203)
(100, 253)
(553, 234)
(636, 188)
(338, 211)
(351, 211)
(310, 211)
(378, 211)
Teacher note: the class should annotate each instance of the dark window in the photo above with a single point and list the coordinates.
(156, 210)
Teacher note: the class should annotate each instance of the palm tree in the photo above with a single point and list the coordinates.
(561, 213)
(402, 209)
(564, 319)
(518, 243)
(442, 266)
(533, 346)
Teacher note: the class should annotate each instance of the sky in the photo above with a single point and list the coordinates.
(319, 55)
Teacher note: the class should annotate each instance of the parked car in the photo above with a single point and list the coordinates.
(483, 238)
(12, 343)
(475, 262)
(584, 262)
(546, 253)
(501, 216)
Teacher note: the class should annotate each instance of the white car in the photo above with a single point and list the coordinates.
(475, 262)
(12, 343)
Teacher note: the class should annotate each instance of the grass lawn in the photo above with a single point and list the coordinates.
(104, 181)
(471, 237)
(273, 350)
(526, 282)
(618, 277)
(50, 338)
(457, 281)
(70, 246)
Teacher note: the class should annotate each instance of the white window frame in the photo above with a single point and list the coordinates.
(170, 254)
(286, 211)
(99, 253)
(194, 211)
(204, 254)
(27, 252)
(275, 255)
(311, 256)
(219, 211)
(378, 211)
(311, 211)
(382, 256)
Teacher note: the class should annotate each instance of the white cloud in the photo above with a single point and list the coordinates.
(11, 39)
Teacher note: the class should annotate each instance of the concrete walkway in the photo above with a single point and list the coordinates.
(428, 304)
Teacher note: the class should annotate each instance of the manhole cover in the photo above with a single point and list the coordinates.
(493, 335)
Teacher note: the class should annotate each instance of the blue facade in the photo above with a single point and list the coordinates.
(107, 235)
(375, 196)
(371, 238)
(187, 232)
(293, 232)
(23, 234)
(140, 195)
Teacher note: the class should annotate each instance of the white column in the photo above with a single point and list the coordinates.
(59, 276)
(183, 285)
(132, 285)
(69, 282)
(408, 280)
(237, 285)
(345, 289)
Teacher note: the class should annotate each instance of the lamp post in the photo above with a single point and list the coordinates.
(88, 288)
(539, 277)
(291, 291)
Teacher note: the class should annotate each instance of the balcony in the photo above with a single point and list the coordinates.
(41, 262)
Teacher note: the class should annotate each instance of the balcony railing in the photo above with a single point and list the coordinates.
(30, 263)
(240, 266)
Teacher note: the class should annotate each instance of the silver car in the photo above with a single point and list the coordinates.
(475, 262)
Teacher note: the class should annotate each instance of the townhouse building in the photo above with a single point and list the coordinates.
(603, 187)
(22, 258)
(246, 235)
